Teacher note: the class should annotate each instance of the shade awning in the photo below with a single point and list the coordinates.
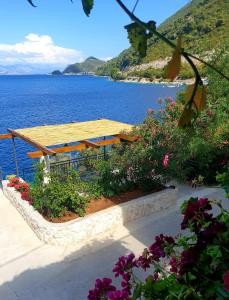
(50, 135)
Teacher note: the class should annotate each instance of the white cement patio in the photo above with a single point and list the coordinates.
(31, 270)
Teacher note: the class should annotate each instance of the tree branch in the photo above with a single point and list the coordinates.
(185, 54)
(209, 65)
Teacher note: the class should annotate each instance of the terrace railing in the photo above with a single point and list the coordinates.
(1, 177)
(62, 168)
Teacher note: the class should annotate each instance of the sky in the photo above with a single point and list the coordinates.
(57, 32)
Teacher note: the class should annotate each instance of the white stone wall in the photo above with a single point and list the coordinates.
(84, 229)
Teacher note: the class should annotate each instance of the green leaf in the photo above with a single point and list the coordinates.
(87, 6)
(214, 251)
(223, 293)
(191, 276)
(138, 38)
(137, 292)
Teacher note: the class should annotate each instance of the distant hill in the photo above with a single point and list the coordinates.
(57, 73)
(204, 25)
(90, 65)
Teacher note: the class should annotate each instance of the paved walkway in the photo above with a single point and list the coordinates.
(31, 270)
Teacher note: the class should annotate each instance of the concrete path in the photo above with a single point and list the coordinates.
(31, 270)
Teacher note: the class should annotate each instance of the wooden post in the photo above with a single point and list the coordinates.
(45, 160)
(104, 149)
(15, 157)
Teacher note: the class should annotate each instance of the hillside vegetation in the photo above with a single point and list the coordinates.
(204, 25)
(90, 65)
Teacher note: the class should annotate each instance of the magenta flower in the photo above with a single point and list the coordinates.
(189, 259)
(157, 248)
(195, 213)
(145, 260)
(124, 264)
(118, 295)
(174, 265)
(150, 111)
(102, 287)
(166, 160)
(126, 284)
(226, 280)
(170, 99)
(208, 234)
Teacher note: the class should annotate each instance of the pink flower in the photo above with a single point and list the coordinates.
(102, 287)
(170, 99)
(150, 111)
(226, 280)
(166, 160)
(118, 295)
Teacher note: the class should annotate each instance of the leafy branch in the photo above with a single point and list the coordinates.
(195, 94)
(138, 33)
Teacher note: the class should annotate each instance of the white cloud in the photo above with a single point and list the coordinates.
(38, 49)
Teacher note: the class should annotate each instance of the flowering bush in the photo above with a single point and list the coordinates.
(143, 164)
(22, 187)
(194, 265)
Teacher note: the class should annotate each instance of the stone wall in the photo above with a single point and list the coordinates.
(88, 227)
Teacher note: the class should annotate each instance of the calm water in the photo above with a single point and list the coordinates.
(27, 101)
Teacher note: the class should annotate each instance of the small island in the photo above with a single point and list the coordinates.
(56, 73)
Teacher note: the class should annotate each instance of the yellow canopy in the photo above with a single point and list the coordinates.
(74, 132)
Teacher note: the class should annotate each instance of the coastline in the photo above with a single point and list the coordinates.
(143, 80)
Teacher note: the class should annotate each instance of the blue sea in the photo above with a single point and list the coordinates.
(27, 101)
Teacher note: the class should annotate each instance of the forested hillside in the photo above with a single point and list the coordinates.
(90, 65)
(204, 25)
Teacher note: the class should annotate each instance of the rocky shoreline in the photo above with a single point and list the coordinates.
(158, 81)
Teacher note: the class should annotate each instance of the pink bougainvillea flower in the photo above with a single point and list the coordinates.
(118, 295)
(226, 280)
(124, 264)
(174, 265)
(166, 160)
(102, 287)
(170, 99)
(150, 111)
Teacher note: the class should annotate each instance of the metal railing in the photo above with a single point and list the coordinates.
(1, 177)
(62, 168)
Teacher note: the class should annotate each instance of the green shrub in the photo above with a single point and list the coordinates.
(223, 179)
(58, 196)
(112, 176)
